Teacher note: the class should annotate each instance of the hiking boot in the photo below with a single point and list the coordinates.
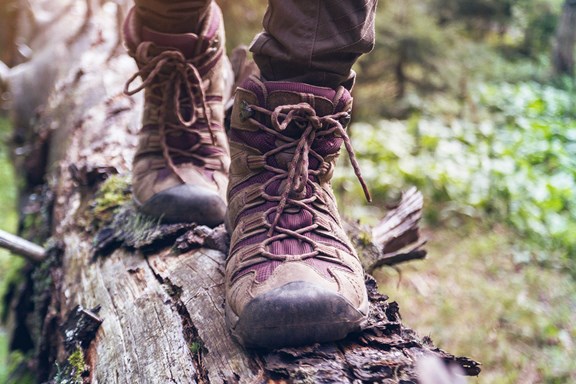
(180, 169)
(292, 275)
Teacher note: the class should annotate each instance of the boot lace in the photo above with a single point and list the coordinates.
(304, 116)
(175, 84)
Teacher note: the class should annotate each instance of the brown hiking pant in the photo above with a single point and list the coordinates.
(309, 41)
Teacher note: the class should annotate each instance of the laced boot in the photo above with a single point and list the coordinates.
(292, 276)
(180, 169)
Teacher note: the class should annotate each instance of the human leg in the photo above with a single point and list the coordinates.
(314, 41)
(172, 16)
(181, 163)
(292, 276)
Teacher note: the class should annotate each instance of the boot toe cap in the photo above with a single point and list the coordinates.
(296, 314)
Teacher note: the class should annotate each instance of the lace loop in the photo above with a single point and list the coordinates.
(304, 116)
(181, 90)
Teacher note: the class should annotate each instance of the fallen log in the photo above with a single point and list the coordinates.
(123, 299)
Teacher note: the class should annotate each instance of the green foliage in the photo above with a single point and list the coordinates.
(3, 356)
(410, 53)
(9, 265)
(196, 347)
(513, 160)
(537, 19)
(16, 371)
(113, 193)
(535, 143)
(72, 370)
(76, 360)
(7, 206)
(474, 9)
(429, 50)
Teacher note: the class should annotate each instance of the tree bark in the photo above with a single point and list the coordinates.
(120, 300)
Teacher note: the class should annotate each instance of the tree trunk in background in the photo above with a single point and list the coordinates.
(114, 302)
(563, 53)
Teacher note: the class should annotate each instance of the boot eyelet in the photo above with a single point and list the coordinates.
(345, 120)
(245, 111)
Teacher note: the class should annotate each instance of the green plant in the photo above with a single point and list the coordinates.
(513, 161)
(112, 195)
(72, 370)
(9, 265)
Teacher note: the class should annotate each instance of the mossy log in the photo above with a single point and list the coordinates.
(122, 299)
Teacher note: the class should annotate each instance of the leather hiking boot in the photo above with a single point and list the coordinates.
(180, 169)
(292, 276)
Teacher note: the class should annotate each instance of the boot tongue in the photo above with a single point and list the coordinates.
(190, 44)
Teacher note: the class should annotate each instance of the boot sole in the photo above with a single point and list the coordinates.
(186, 204)
(296, 314)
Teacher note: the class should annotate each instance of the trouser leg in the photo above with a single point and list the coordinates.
(314, 41)
(172, 16)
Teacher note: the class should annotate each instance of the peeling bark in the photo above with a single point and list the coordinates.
(159, 288)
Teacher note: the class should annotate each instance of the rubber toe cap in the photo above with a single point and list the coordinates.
(296, 314)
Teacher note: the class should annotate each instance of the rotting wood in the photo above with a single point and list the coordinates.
(395, 239)
(161, 306)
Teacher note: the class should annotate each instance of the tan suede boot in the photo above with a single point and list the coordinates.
(180, 170)
(292, 276)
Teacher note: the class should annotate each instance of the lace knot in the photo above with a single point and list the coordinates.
(296, 175)
(181, 94)
(179, 78)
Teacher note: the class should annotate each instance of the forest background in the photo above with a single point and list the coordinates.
(474, 103)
